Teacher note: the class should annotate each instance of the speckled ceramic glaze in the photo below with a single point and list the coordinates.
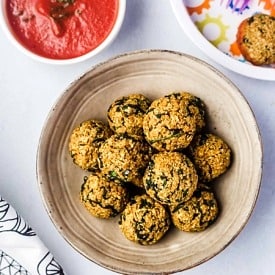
(153, 73)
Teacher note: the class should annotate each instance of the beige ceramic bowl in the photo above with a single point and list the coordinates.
(4, 23)
(153, 73)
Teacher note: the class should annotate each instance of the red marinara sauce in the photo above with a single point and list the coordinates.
(61, 29)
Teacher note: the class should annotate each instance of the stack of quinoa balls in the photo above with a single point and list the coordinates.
(152, 164)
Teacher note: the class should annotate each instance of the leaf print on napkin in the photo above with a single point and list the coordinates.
(11, 221)
(48, 266)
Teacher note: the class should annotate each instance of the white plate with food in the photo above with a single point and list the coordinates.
(154, 74)
(213, 27)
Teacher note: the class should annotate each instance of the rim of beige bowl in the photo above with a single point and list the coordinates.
(109, 39)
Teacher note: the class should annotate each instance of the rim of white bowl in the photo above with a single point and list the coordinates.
(106, 42)
(215, 54)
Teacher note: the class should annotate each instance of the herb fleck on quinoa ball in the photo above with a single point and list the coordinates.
(211, 156)
(170, 123)
(170, 178)
(197, 108)
(124, 158)
(144, 220)
(197, 213)
(125, 115)
(85, 141)
(103, 198)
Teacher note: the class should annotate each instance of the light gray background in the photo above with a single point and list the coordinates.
(29, 89)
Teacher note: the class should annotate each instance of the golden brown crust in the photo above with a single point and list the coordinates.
(103, 198)
(124, 158)
(170, 178)
(197, 213)
(169, 124)
(211, 156)
(85, 141)
(256, 39)
(125, 114)
(144, 220)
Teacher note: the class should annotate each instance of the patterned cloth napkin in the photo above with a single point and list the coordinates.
(21, 251)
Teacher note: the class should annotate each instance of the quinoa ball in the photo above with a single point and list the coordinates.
(144, 220)
(197, 108)
(197, 213)
(256, 39)
(168, 124)
(103, 198)
(124, 158)
(170, 178)
(85, 141)
(125, 115)
(211, 156)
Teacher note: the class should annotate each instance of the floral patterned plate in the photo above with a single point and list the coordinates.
(212, 26)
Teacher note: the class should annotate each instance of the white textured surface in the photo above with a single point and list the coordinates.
(28, 91)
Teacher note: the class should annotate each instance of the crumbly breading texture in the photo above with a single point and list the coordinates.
(197, 108)
(211, 156)
(160, 147)
(256, 39)
(103, 198)
(172, 121)
(125, 114)
(85, 141)
(124, 158)
(170, 178)
(144, 220)
(197, 213)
